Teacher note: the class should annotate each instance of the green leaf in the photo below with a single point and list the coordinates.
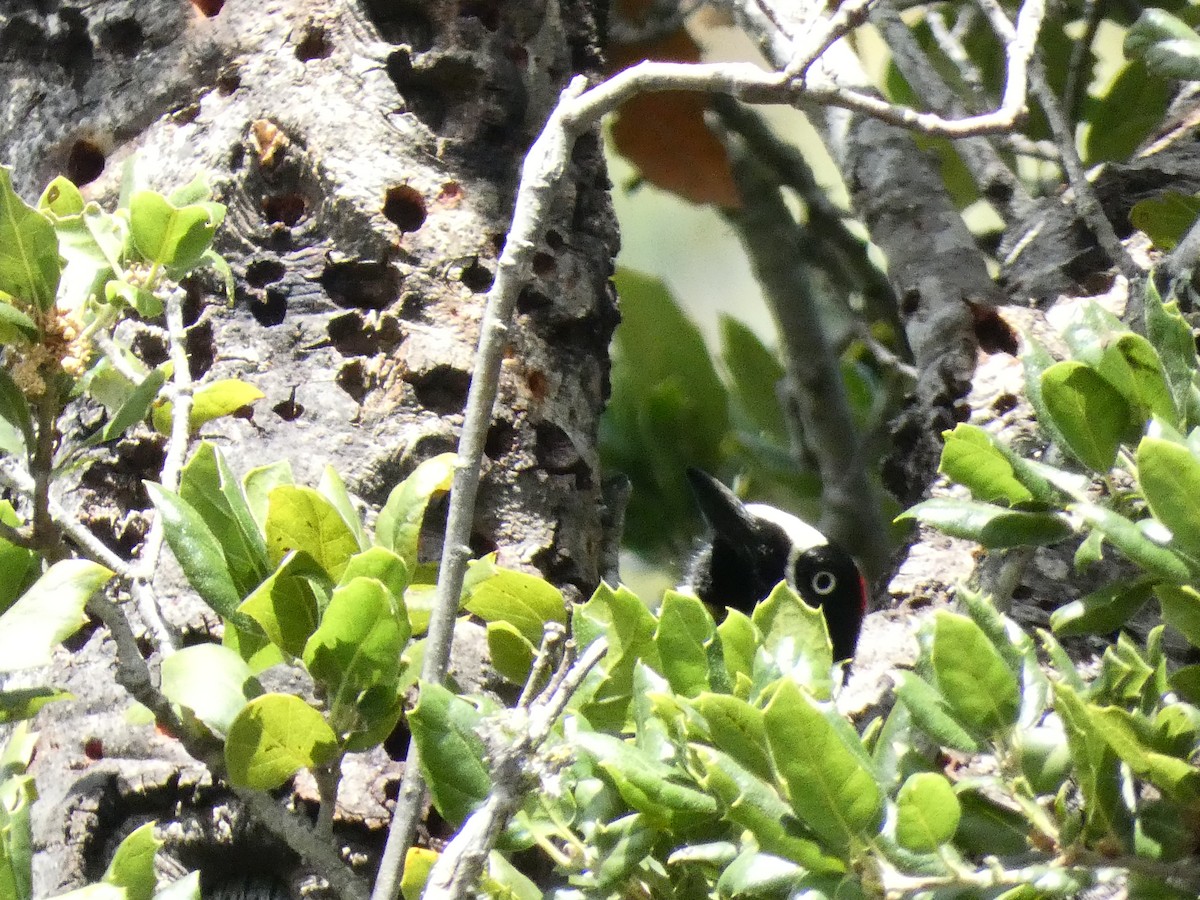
(258, 483)
(357, 649)
(61, 198)
(185, 888)
(17, 794)
(381, 564)
(510, 652)
(1127, 113)
(972, 675)
(1120, 728)
(995, 527)
(200, 555)
(753, 804)
(169, 235)
(738, 643)
(1169, 47)
(29, 262)
(525, 601)
(210, 680)
(51, 610)
(1045, 757)
(828, 782)
(15, 326)
(785, 618)
(451, 753)
(24, 703)
(14, 408)
(333, 489)
(272, 738)
(754, 374)
(1089, 413)
(132, 866)
(287, 604)
(209, 486)
(1181, 609)
(1132, 541)
(927, 812)
(629, 628)
(932, 713)
(1171, 336)
(1096, 770)
(300, 519)
(738, 729)
(656, 790)
(1165, 219)
(685, 633)
(1133, 367)
(418, 865)
(971, 458)
(1169, 475)
(19, 567)
(213, 400)
(399, 523)
(136, 408)
(1104, 610)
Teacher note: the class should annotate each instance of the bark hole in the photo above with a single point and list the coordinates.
(361, 285)
(314, 44)
(910, 302)
(85, 162)
(349, 336)
(405, 207)
(992, 332)
(262, 272)
(228, 81)
(288, 410)
(352, 378)
(442, 389)
(201, 348)
(270, 309)
(284, 209)
(543, 265)
(430, 92)
(123, 37)
(557, 454)
(21, 39)
(71, 47)
(208, 8)
(486, 11)
(150, 348)
(1004, 403)
(531, 300)
(501, 438)
(477, 277)
(403, 22)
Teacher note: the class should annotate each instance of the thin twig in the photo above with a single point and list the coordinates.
(1076, 83)
(950, 42)
(848, 16)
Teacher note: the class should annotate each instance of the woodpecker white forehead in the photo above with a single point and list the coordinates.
(802, 535)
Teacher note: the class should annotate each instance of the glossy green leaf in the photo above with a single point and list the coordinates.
(1165, 219)
(1169, 475)
(1181, 609)
(357, 648)
(418, 864)
(629, 627)
(1174, 776)
(185, 888)
(333, 489)
(287, 604)
(525, 601)
(381, 564)
(51, 610)
(1096, 769)
(29, 261)
(24, 703)
(738, 729)
(927, 812)
(653, 788)
(452, 756)
(14, 409)
(972, 676)
(1172, 338)
(995, 527)
(300, 519)
(1089, 413)
(971, 458)
(169, 235)
(15, 326)
(1132, 541)
(738, 642)
(785, 617)
(212, 681)
(211, 401)
(932, 713)
(132, 866)
(272, 738)
(987, 827)
(258, 483)
(61, 198)
(136, 407)
(19, 567)
(755, 374)
(828, 783)
(510, 652)
(685, 632)
(752, 803)
(17, 793)
(399, 523)
(504, 881)
(209, 486)
(200, 555)
(1104, 610)
(1131, 365)
(1128, 111)
(1044, 757)
(1167, 44)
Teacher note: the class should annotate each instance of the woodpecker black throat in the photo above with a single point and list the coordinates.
(753, 547)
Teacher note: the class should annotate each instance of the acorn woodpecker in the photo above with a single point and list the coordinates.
(753, 547)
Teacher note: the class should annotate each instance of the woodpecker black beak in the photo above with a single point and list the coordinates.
(724, 512)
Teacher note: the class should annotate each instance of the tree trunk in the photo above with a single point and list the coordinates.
(368, 154)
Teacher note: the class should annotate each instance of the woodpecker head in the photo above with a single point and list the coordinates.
(753, 547)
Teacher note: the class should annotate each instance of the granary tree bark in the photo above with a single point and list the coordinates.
(367, 151)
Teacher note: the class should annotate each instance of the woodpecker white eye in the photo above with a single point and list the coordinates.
(824, 582)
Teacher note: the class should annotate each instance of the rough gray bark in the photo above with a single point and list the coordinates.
(368, 153)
